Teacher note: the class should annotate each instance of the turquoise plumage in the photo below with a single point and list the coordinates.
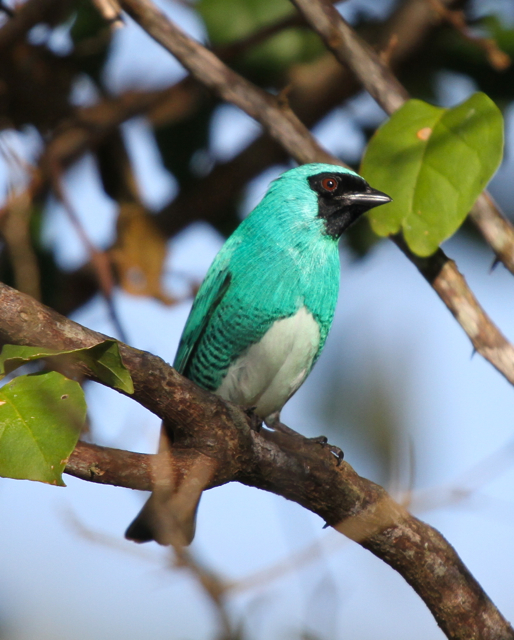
(234, 308)
(262, 315)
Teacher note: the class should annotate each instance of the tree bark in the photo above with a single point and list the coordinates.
(212, 434)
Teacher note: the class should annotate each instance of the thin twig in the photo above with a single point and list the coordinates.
(110, 11)
(15, 227)
(450, 285)
(213, 586)
(497, 58)
(310, 553)
(15, 217)
(99, 259)
(463, 488)
(495, 228)
(468, 483)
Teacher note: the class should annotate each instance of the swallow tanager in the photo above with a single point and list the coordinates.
(262, 315)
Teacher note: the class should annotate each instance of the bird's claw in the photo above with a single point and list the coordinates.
(338, 452)
(323, 440)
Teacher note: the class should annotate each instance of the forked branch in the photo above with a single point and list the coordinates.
(220, 435)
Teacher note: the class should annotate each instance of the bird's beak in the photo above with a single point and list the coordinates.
(350, 206)
(368, 199)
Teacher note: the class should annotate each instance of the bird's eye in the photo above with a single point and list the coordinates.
(329, 184)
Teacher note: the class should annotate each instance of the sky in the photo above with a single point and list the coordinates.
(394, 353)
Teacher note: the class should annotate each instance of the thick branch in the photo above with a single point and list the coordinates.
(302, 471)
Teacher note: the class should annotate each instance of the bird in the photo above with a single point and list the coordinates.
(261, 317)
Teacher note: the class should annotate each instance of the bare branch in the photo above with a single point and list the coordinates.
(497, 58)
(353, 52)
(203, 65)
(206, 426)
(496, 229)
(378, 80)
(440, 272)
(99, 259)
(15, 229)
(451, 287)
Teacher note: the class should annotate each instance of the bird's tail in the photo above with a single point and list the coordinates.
(168, 517)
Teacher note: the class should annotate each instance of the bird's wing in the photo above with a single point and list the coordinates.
(211, 293)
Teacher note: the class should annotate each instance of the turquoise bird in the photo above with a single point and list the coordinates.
(262, 315)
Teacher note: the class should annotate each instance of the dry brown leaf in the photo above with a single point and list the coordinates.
(139, 253)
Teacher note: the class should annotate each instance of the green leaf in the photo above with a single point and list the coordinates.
(41, 417)
(434, 163)
(103, 359)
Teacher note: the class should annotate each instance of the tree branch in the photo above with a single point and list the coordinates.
(495, 228)
(450, 285)
(316, 88)
(208, 69)
(296, 139)
(209, 429)
(353, 52)
(381, 83)
(300, 470)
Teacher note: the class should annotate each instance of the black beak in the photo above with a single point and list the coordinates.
(367, 200)
(342, 211)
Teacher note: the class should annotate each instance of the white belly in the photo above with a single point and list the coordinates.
(270, 371)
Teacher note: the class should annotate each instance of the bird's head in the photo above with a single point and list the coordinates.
(340, 196)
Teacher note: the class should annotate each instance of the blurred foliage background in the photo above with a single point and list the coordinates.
(112, 159)
(56, 93)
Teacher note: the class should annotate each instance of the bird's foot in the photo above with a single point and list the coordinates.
(279, 426)
(323, 441)
(255, 421)
(276, 425)
(337, 452)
